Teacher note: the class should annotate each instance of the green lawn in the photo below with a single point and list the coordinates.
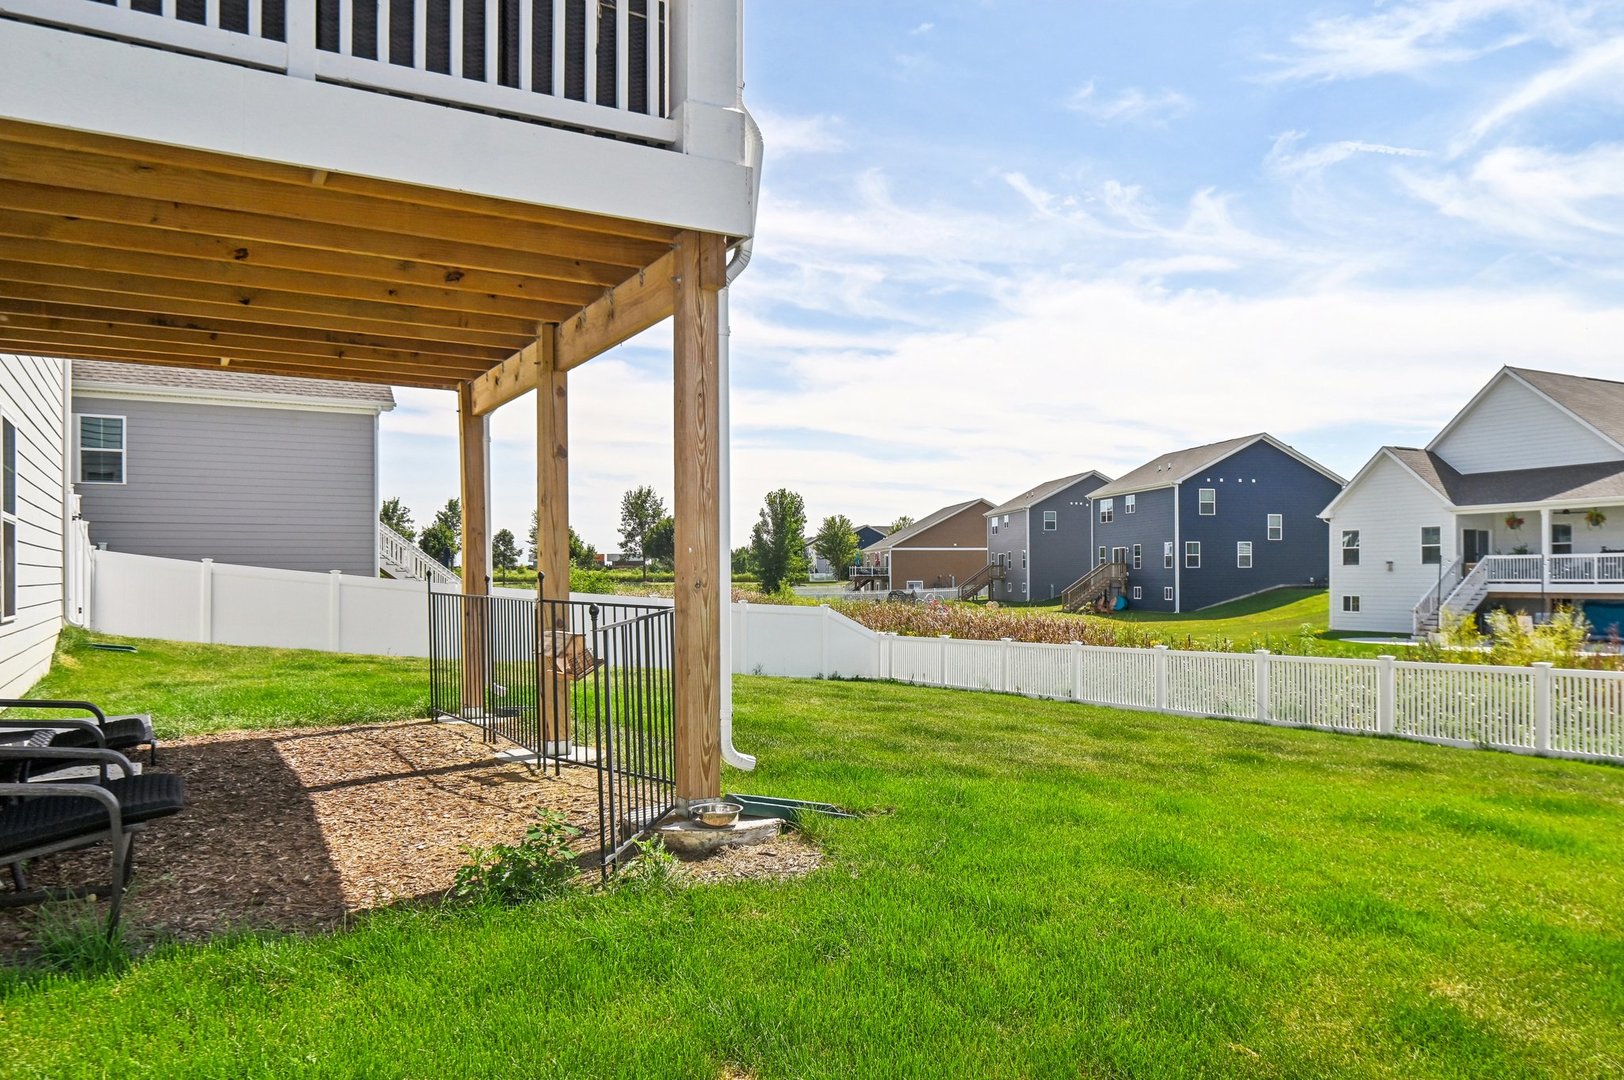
(1038, 889)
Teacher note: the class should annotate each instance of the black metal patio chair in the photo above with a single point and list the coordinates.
(123, 732)
(44, 818)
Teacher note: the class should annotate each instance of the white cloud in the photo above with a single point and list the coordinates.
(1132, 105)
(922, 29)
(785, 135)
(1598, 69)
(1567, 202)
(1285, 156)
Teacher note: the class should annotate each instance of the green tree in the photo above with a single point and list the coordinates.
(899, 524)
(778, 540)
(836, 543)
(394, 514)
(640, 510)
(504, 550)
(530, 540)
(743, 561)
(582, 554)
(450, 516)
(661, 545)
(439, 543)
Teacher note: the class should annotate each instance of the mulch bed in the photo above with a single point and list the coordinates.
(297, 830)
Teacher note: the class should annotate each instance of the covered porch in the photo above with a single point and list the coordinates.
(1545, 548)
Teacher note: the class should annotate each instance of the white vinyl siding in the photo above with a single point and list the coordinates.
(1513, 427)
(1388, 507)
(32, 399)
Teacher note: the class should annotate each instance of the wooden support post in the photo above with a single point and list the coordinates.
(699, 277)
(473, 443)
(553, 537)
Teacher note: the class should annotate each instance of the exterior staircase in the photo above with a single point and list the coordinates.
(864, 577)
(981, 580)
(1460, 597)
(398, 557)
(1093, 586)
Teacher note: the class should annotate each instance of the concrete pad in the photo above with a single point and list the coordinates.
(692, 838)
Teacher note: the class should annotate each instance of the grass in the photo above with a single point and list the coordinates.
(1037, 889)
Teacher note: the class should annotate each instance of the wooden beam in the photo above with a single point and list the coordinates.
(233, 251)
(552, 469)
(697, 659)
(241, 274)
(355, 372)
(441, 255)
(473, 441)
(113, 146)
(92, 291)
(620, 314)
(515, 376)
(117, 176)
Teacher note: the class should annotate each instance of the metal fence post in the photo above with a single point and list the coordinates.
(1542, 706)
(1161, 676)
(1261, 667)
(1003, 664)
(1386, 695)
(335, 608)
(205, 603)
(1077, 671)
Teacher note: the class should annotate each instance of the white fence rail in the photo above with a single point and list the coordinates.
(1537, 709)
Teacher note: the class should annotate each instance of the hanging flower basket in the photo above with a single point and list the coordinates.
(1595, 518)
(1513, 522)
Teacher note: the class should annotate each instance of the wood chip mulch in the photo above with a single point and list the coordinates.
(297, 830)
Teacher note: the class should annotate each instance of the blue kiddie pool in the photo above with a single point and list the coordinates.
(1121, 603)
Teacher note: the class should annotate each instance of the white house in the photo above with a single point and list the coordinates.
(1517, 503)
(33, 415)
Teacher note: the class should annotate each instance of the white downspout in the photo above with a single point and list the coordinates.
(735, 267)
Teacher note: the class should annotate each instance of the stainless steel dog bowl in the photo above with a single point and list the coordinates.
(715, 814)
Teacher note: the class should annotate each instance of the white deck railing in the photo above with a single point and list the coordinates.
(404, 559)
(1587, 569)
(595, 64)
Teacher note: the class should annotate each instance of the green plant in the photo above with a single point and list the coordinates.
(1595, 518)
(1513, 522)
(596, 582)
(73, 938)
(653, 870)
(1456, 634)
(1517, 642)
(539, 866)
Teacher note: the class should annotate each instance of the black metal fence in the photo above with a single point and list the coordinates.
(574, 683)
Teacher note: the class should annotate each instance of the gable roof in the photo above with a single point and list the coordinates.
(92, 375)
(1028, 499)
(1180, 465)
(1597, 404)
(929, 521)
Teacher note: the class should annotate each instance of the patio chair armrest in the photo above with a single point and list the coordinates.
(50, 703)
(65, 753)
(75, 722)
(109, 801)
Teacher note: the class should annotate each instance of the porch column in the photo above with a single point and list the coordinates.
(473, 445)
(553, 538)
(699, 276)
(1544, 551)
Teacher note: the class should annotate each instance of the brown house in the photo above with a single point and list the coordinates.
(936, 552)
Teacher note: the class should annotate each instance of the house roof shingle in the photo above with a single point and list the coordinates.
(1598, 402)
(1559, 483)
(103, 373)
(928, 521)
(1028, 499)
(1163, 471)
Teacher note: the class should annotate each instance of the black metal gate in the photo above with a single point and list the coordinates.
(575, 683)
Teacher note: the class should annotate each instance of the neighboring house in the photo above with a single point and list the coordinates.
(1517, 503)
(871, 534)
(34, 513)
(1041, 541)
(936, 552)
(819, 567)
(256, 470)
(1214, 523)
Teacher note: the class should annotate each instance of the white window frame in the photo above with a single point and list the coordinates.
(995, 524)
(1129, 504)
(1122, 548)
(1138, 562)
(1168, 554)
(1051, 521)
(1350, 548)
(1023, 558)
(916, 586)
(1206, 502)
(8, 524)
(1192, 554)
(1277, 526)
(1138, 592)
(1101, 561)
(123, 451)
(1107, 511)
(1167, 592)
(1243, 554)
(1350, 604)
(1436, 546)
(1561, 547)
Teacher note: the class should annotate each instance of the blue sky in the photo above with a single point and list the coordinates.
(1005, 241)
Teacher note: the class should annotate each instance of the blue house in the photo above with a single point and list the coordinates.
(1215, 523)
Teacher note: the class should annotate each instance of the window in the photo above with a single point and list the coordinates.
(1208, 504)
(101, 449)
(1243, 554)
(1051, 520)
(8, 525)
(1119, 555)
(1006, 520)
(1192, 554)
(1167, 555)
(916, 586)
(1138, 592)
(1167, 592)
(1138, 557)
(1102, 555)
(995, 525)
(1561, 539)
(1350, 547)
(1107, 510)
(1277, 526)
(1432, 550)
(1023, 558)
(1350, 603)
(1128, 504)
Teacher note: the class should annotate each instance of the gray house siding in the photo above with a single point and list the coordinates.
(285, 488)
(1062, 556)
(1250, 485)
(1150, 526)
(1011, 539)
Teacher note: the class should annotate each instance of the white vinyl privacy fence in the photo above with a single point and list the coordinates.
(1536, 709)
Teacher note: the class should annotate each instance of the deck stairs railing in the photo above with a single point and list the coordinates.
(980, 580)
(399, 558)
(1425, 617)
(1092, 586)
(1465, 597)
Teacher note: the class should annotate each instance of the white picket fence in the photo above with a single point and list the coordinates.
(1538, 709)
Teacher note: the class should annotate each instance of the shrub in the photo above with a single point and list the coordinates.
(73, 938)
(596, 582)
(539, 866)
